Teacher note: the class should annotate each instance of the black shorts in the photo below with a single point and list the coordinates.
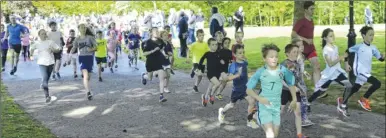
(236, 95)
(58, 55)
(100, 60)
(286, 97)
(224, 68)
(16, 48)
(152, 66)
(210, 75)
(195, 66)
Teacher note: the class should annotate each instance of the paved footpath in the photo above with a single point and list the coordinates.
(121, 103)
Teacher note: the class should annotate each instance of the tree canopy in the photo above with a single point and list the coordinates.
(261, 13)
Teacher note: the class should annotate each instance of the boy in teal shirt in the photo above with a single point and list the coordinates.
(271, 78)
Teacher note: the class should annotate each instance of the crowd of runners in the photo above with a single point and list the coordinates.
(218, 58)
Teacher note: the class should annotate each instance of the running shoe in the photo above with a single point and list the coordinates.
(143, 79)
(166, 90)
(162, 99)
(307, 123)
(100, 79)
(195, 89)
(116, 66)
(58, 75)
(365, 103)
(212, 99)
(219, 97)
(48, 99)
(252, 124)
(89, 96)
(203, 100)
(221, 115)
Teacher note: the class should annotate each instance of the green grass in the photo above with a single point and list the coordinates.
(253, 53)
(17, 123)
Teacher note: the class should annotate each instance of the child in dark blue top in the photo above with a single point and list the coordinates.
(238, 72)
(134, 40)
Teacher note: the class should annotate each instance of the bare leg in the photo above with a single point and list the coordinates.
(86, 79)
(316, 69)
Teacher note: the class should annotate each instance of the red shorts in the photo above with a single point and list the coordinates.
(310, 55)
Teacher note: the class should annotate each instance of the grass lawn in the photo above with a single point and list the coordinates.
(253, 53)
(17, 123)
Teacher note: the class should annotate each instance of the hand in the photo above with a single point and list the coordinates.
(308, 76)
(297, 89)
(348, 68)
(292, 106)
(155, 49)
(264, 101)
(309, 41)
(240, 70)
(222, 62)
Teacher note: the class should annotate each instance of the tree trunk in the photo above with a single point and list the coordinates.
(298, 11)
(260, 21)
(331, 12)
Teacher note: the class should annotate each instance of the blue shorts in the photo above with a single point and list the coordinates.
(86, 62)
(270, 114)
(238, 95)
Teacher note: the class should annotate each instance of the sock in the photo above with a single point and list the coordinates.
(227, 107)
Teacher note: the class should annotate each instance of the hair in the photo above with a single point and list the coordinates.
(109, 27)
(214, 10)
(308, 4)
(288, 48)
(166, 27)
(217, 33)
(295, 40)
(236, 47)
(210, 40)
(163, 32)
(99, 32)
(51, 23)
(199, 31)
(40, 31)
(365, 29)
(239, 33)
(325, 34)
(225, 38)
(267, 47)
(88, 30)
(72, 30)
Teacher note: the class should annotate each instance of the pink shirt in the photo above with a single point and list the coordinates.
(25, 40)
(111, 44)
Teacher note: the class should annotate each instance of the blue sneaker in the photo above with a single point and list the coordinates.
(162, 99)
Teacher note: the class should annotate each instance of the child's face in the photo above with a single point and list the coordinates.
(200, 37)
(293, 54)
(167, 30)
(165, 36)
(72, 34)
(271, 58)
(82, 29)
(226, 43)
(42, 35)
(369, 37)
(239, 37)
(53, 27)
(99, 35)
(330, 38)
(213, 46)
(240, 54)
(154, 33)
(301, 46)
(219, 37)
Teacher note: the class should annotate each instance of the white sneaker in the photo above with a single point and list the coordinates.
(252, 124)
(306, 123)
(166, 90)
(221, 115)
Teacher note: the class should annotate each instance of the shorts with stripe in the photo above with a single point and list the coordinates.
(268, 114)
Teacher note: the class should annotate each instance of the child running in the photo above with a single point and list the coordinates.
(270, 78)
(25, 42)
(171, 58)
(57, 37)
(226, 58)
(86, 45)
(73, 57)
(46, 49)
(292, 52)
(238, 71)
(197, 49)
(301, 84)
(212, 62)
(100, 54)
(134, 41)
(167, 52)
(154, 61)
(362, 70)
(111, 49)
(333, 70)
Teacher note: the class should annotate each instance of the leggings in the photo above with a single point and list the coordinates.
(3, 57)
(341, 79)
(26, 52)
(376, 84)
(46, 73)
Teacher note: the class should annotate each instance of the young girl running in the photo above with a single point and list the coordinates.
(86, 46)
(362, 70)
(212, 62)
(333, 70)
(197, 49)
(100, 54)
(111, 47)
(25, 42)
(226, 58)
(239, 74)
(134, 41)
(73, 57)
(154, 61)
(167, 52)
(46, 49)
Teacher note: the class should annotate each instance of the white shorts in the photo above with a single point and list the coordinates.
(361, 78)
(324, 79)
(73, 56)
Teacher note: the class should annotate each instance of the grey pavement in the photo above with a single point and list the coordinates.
(123, 107)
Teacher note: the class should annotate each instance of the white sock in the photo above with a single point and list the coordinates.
(343, 105)
(227, 107)
(145, 76)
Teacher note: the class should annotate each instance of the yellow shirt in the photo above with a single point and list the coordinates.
(198, 50)
(101, 48)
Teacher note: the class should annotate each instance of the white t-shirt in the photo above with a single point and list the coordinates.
(334, 71)
(363, 58)
(46, 50)
(55, 36)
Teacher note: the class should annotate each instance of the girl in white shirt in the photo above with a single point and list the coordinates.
(333, 70)
(46, 49)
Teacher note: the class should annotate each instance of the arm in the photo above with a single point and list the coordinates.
(290, 81)
(54, 47)
(74, 46)
(148, 51)
(252, 83)
(32, 49)
(377, 54)
(234, 73)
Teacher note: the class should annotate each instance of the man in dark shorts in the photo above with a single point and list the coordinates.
(304, 29)
(14, 30)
